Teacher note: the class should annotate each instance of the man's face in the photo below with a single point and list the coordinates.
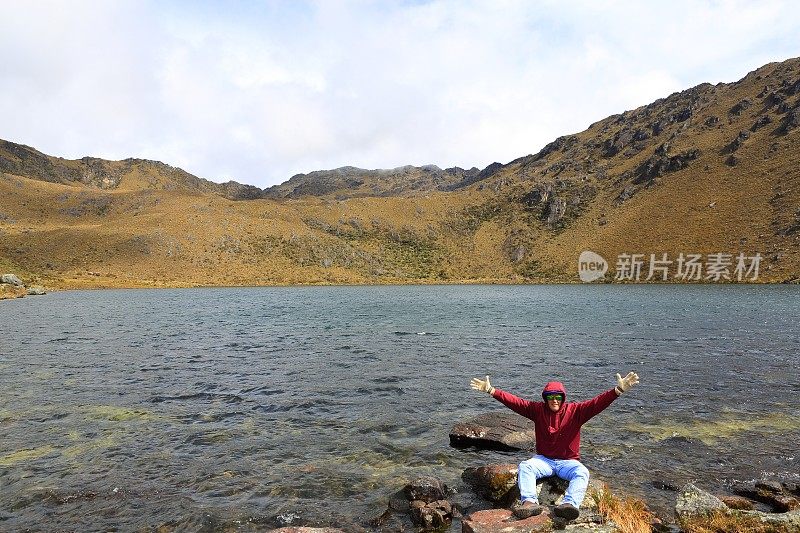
(554, 401)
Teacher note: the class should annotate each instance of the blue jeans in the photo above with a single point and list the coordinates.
(540, 466)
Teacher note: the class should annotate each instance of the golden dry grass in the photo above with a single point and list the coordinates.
(629, 514)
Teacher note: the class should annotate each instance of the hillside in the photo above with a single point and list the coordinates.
(712, 169)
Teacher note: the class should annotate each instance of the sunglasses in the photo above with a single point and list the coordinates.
(557, 397)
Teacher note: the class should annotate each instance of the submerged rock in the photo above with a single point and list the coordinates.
(495, 431)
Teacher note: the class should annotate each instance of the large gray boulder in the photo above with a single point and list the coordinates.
(11, 279)
(693, 501)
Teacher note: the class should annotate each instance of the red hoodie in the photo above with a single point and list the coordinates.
(558, 435)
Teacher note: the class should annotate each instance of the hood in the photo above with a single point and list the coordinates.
(555, 386)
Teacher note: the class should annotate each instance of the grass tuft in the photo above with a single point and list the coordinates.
(631, 515)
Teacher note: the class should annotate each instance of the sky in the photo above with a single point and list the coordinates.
(259, 91)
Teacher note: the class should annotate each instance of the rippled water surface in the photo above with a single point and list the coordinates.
(215, 409)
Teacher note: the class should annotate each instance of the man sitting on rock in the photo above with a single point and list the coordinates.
(558, 437)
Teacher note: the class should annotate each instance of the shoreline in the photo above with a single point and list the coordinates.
(154, 284)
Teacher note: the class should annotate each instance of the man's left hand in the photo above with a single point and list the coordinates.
(624, 384)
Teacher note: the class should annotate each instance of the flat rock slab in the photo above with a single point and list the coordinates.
(504, 521)
(501, 430)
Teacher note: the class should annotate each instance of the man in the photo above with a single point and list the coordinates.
(558, 437)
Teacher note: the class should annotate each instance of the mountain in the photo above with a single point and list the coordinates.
(714, 169)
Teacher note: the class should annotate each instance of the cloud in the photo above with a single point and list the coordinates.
(258, 92)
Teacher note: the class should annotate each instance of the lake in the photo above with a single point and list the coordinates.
(244, 408)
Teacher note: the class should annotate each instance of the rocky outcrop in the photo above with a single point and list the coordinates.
(495, 431)
(13, 287)
(662, 163)
(695, 504)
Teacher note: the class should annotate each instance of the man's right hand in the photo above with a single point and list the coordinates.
(481, 385)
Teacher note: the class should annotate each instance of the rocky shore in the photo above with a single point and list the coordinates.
(486, 500)
(13, 287)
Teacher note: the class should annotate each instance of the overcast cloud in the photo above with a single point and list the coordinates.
(260, 91)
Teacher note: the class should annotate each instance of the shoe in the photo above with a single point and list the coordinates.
(567, 511)
(527, 509)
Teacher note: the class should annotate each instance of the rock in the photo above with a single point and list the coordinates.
(467, 501)
(737, 142)
(503, 521)
(693, 501)
(783, 503)
(518, 254)
(36, 290)
(495, 482)
(760, 122)
(769, 486)
(769, 492)
(433, 515)
(11, 279)
(660, 164)
(426, 489)
(423, 502)
(556, 210)
(626, 194)
(791, 121)
(399, 502)
(739, 107)
(738, 502)
(495, 431)
(294, 529)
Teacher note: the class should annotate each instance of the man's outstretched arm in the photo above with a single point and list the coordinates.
(515, 403)
(590, 408)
